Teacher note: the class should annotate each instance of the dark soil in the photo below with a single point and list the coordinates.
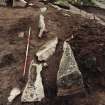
(86, 37)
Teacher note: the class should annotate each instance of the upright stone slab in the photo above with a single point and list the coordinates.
(69, 78)
(34, 90)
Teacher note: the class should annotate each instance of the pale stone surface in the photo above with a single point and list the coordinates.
(47, 49)
(13, 94)
(20, 3)
(43, 10)
(34, 88)
(68, 75)
(21, 34)
(42, 26)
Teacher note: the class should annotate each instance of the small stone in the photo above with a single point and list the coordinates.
(21, 34)
(34, 90)
(43, 10)
(31, 4)
(13, 94)
(69, 78)
(45, 64)
(47, 49)
(57, 7)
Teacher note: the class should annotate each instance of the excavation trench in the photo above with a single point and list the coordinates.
(86, 37)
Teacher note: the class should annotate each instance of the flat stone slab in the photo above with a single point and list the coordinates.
(47, 49)
(69, 78)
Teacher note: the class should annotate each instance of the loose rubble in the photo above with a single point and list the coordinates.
(69, 77)
(47, 49)
(43, 10)
(85, 14)
(34, 88)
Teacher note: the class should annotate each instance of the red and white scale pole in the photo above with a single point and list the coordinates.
(27, 51)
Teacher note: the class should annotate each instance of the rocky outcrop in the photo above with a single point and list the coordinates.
(74, 10)
(69, 78)
(85, 14)
(65, 3)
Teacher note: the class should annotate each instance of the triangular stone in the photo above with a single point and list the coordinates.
(69, 78)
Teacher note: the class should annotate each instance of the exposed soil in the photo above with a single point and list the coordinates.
(86, 37)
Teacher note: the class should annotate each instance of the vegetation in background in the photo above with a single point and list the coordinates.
(75, 2)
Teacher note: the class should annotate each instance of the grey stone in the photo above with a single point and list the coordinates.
(69, 78)
(43, 9)
(21, 34)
